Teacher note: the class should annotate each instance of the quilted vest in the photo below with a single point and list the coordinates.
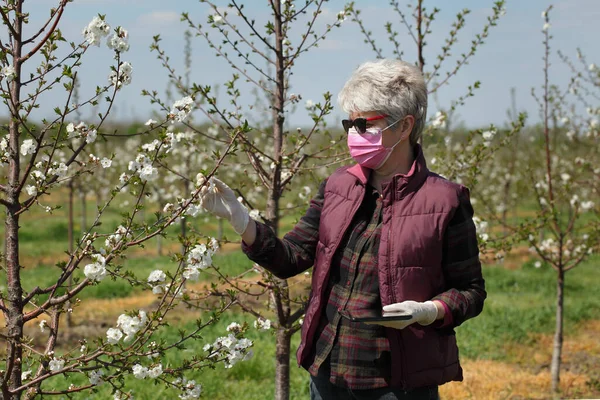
(417, 208)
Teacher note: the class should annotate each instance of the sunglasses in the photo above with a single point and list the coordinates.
(360, 123)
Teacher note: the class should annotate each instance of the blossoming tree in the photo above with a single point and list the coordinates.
(268, 155)
(37, 160)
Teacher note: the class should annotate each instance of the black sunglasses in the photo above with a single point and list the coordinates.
(360, 123)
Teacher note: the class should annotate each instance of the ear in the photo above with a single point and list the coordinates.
(406, 125)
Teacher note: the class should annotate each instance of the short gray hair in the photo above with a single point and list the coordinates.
(392, 87)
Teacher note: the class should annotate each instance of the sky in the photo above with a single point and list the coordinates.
(511, 56)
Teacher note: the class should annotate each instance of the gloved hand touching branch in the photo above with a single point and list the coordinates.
(424, 313)
(218, 198)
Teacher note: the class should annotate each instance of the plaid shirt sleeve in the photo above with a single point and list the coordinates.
(294, 253)
(462, 268)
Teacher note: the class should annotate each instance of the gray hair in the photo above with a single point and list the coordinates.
(393, 87)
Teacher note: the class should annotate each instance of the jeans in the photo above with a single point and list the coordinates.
(322, 389)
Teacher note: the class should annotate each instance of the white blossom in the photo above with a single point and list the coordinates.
(131, 325)
(191, 390)
(25, 375)
(123, 77)
(488, 135)
(8, 72)
(181, 109)
(31, 190)
(56, 364)
(148, 173)
(587, 205)
(95, 272)
(150, 122)
(96, 30)
(254, 214)
(96, 377)
(118, 41)
(139, 371)
(592, 67)
(262, 324)
(155, 372)
(106, 162)
(218, 20)
(234, 327)
(28, 147)
(439, 121)
(113, 335)
(156, 279)
(43, 325)
(546, 26)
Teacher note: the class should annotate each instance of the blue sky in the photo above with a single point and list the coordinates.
(511, 57)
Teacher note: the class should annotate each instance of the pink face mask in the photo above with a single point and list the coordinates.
(367, 149)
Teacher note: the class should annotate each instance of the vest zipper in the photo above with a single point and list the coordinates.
(393, 292)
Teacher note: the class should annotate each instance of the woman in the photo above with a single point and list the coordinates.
(385, 234)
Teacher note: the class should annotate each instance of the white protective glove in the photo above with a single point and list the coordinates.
(423, 313)
(218, 199)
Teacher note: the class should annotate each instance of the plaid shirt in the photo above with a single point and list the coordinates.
(357, 355)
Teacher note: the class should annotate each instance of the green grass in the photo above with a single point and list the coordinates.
(520, 304)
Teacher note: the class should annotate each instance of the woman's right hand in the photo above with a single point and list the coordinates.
(218, 198)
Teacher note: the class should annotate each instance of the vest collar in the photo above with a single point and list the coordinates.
(403, 183)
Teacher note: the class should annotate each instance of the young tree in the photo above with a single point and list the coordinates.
(264, 55)
(37, 159)
(565, 227)
(565, 193)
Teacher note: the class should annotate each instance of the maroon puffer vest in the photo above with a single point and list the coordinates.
(417, 208)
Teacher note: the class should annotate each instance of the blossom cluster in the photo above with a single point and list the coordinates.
(118, 41)
(262, 324)
(113, 240)
(97, 270)
(191, 389)
(230, 348)
(128, 326)
(156, 279)
(82, 130)
(199, 258)
(8, 72)
(122, 75)
(95, 31)
(439, 121)
(142, 165)
(181, 109)
(141, 372)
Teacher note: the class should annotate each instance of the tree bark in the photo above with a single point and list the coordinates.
(282, 357)
(280, 294)
(71, 236)
(14, 314)
(558, 333)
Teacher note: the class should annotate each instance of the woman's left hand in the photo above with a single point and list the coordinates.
(424, 313)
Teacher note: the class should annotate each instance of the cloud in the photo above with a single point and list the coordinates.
(159, 19)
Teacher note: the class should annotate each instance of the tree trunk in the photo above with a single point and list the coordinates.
(282, 357)
(71, 237)
(280, 294)
(558, 333)
(14, 304)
